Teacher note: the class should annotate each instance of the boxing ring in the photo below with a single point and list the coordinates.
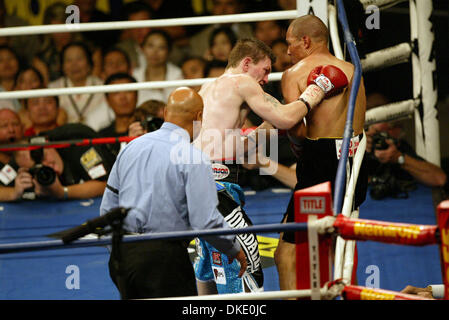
(420, 106)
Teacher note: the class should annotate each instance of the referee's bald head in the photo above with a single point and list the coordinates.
(184, 100)
(184, 106)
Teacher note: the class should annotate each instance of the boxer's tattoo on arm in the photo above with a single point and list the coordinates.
(272, 100)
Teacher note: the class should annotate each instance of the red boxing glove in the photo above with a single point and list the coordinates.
(330, 79)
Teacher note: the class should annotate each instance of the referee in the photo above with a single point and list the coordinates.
(168, 184)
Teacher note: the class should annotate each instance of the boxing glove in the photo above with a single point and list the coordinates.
(330, 79)
(323, 82)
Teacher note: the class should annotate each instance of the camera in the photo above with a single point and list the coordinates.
(383, 186)
(151, 123)
(389, 182)
(379, 140)
(43, 174)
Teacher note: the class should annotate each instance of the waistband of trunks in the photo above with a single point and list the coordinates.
(315, 145)
(359, 136)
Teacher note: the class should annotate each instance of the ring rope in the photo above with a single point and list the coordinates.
(23, 94)
(64, 143)
(101, 241)
(348, 228)
(154, 23)
(381, 4)
(391, 111)
(348, 131)
(333, 30)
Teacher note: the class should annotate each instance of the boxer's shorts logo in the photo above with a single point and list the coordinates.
(220, 171)
(219, 274)
(216, 258)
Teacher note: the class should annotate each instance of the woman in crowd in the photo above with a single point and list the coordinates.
(90, 109)
(9, 67)
(156, 47)
(221, 42)
(47, 60)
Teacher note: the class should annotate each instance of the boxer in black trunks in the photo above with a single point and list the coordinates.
(307, 39)
(317, 163)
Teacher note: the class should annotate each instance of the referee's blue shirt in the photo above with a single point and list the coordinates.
(169, 184)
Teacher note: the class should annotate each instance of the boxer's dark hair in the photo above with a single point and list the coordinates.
(253, 48)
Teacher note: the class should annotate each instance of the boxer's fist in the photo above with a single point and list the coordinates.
(330, 79)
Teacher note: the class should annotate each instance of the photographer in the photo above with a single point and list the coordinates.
(10, 132)
(394, 165)
(65, 173)
(148, 117)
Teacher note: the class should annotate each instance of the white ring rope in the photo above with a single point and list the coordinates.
(387, 57)
(114, 25)
(23, 94)
(391, 111)
(344, 249)
(381, 4)
(267, 295)
(333, 30)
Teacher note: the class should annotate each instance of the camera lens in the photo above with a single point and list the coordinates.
(45, 175)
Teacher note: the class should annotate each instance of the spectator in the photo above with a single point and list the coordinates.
(27, 79)
(270, 30)
(282, 63)
(153, 108)
(391, 157)
(156, 47)
(163, 9)
(221, 42)
(193, 68)
(433, 291)
(9, 67)
(17, 43)
(47, 58)
(80, 172)
(394, 166)
(115, 60)
(147, 117)
(89, 109)
(198, 42)
(215, 68)
(90, 13)
(131, 39)
(123, 103)
(10, 132)
(43, 114)
(283, 60)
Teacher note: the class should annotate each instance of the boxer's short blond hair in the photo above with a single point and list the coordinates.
(253, 48)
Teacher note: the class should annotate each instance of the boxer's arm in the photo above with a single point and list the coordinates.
(269, 108)
(291, 92)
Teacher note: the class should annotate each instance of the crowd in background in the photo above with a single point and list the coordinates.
(73, 59)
